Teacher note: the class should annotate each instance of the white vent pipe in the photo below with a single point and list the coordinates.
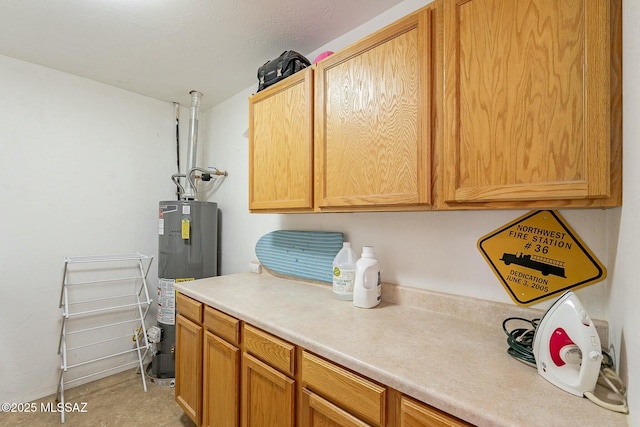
(192, 146)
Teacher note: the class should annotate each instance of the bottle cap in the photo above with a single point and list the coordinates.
(367, 251)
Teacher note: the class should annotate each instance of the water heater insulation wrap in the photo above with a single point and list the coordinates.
(187, 250)
(195, 256)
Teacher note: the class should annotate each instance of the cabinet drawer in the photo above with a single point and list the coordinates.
(355, 394)
(417, 414)
(222, 325)
(317, 411)
(276, 352)
(189, 308)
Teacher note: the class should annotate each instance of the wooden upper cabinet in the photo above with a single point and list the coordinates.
(464, 104)
(281, 145)
(532, 108)
(373, 119)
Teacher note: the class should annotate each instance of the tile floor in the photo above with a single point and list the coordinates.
(118, 400)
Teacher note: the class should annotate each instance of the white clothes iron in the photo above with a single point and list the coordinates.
(566, 346)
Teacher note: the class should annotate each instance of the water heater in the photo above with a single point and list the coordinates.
(187, 247)
(187, 250)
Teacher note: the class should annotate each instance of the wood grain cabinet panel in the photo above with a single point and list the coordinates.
(268, 396)
(373, 119)
(221, 383)
(222, 325)
(188, 388)
(318, 412)
(529, 102)
(357, 395)
(281, 145)
(272, 350)
(189, 308)
(417, 414)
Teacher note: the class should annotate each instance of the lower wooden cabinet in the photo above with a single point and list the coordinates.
(221, 360)
(268, 396)
(221, 388)
(188, 368)
(264, 381)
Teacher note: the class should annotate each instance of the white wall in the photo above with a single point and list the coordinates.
(625, 228)
(83, 167)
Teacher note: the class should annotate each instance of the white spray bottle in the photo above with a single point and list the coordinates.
(367, 289)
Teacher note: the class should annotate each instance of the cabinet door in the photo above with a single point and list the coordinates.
(268, 396)
(527, 100)
(416, 414)
(281, 146)
(188, 387)
(318, 412)
(221, 382)
(373, 119)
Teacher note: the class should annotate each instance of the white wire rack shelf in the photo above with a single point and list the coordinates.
(115, 299)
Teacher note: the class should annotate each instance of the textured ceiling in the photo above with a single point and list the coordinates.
(165, 48)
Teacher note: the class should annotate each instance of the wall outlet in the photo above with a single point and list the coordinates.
(255, 267)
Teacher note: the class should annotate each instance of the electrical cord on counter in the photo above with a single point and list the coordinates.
(520, 341)
(608, 378)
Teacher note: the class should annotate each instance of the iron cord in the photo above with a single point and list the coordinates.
(520, 340)
(609, 379)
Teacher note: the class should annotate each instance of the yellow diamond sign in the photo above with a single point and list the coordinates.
(539, 256)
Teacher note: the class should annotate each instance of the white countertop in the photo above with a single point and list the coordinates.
(455, 364)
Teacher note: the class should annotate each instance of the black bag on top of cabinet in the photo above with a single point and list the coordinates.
(290, 62)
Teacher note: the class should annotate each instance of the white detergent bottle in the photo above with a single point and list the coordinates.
(367, 290)
(344, 273)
